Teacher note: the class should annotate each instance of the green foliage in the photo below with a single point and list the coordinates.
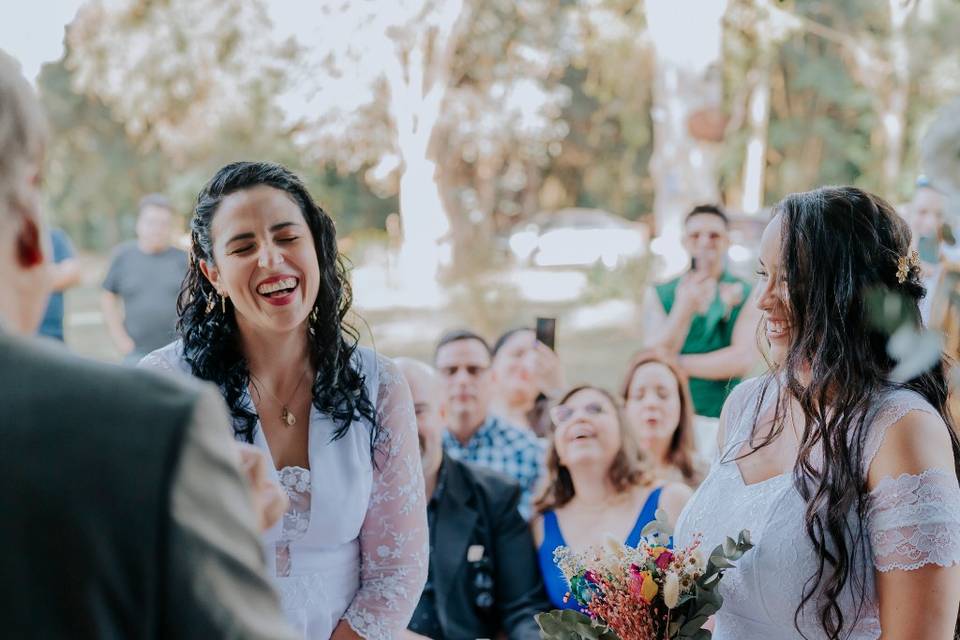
(571, 625)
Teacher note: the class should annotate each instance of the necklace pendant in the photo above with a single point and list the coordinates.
(288, 418)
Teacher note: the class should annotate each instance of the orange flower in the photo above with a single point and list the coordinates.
(643, 586)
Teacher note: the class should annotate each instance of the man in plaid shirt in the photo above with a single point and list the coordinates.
(473, 435)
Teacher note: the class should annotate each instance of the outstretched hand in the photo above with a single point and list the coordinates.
(269, 499)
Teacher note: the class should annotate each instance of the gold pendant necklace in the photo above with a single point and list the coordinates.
(286, 416)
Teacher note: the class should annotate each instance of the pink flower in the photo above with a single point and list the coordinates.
(664, 560)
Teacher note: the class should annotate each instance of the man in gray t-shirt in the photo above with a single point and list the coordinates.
(140, 291)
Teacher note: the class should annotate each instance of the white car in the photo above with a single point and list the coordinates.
(577, 238)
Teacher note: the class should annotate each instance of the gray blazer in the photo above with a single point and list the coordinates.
(124, 512)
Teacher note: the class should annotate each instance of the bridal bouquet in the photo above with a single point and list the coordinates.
(648, 592)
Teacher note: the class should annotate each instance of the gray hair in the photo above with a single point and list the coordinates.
(23, 129)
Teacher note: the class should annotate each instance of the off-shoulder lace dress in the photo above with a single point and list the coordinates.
(354, 543)
(912, 521)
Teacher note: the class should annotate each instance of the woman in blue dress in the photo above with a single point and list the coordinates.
(596, 484)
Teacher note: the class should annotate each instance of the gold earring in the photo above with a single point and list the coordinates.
(223, 303)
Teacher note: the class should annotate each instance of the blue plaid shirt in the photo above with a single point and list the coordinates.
(503, 447)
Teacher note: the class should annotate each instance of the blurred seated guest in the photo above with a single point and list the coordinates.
(659, 410)
(703, 317)
(64, 274)
(483, 578)
(139, 299)
(926, 217)
(127, 514)
(526, 374)
(596, 484)
(473, 433)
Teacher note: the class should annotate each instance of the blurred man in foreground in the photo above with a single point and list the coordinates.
(127, 514)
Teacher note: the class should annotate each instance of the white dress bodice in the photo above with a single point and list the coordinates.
(911, 521)
(353, 544)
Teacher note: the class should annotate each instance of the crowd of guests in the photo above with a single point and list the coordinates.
(597, 464)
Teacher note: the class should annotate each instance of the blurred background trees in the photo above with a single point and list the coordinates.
(469, 117)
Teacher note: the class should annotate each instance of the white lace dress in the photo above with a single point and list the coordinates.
(354, 543)
(912, 520)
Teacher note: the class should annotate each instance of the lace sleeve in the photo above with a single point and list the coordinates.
(914, 520)
(394, 541)
(156, 362)
(168, 358)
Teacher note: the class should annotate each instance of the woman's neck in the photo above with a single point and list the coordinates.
(277, 359)
(657, 452)
(592, 487)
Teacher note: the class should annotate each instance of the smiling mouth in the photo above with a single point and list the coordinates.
(777, 328)
(278, 288)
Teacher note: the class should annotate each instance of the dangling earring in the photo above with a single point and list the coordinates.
(211, 301)
(223, 304)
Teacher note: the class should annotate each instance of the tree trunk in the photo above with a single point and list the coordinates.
(418, 78)
(894, 108)
(687, 80)
(755, 161)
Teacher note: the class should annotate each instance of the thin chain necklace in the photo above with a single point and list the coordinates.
(286, 416)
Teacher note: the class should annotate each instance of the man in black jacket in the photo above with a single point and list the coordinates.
(484, 581)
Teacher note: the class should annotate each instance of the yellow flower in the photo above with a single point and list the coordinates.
(671, 590)
(656, 552)
(648, 588)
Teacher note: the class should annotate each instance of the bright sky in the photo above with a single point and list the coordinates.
(32, 32)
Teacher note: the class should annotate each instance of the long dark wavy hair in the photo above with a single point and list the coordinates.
(210, 340)
(838, 244)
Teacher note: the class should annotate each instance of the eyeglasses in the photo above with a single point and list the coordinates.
(562, 414)
(473, 370)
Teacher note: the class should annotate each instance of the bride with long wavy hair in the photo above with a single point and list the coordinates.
(846, 477)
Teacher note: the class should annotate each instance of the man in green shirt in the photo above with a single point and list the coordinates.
(706, 316)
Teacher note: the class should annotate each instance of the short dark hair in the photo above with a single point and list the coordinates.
(711, 210)
(155, 200)
(458, 335)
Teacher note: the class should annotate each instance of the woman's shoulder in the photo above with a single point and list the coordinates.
(168, 358)
(749, 388)
(904, 426)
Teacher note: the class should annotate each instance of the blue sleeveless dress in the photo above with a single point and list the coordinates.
(553, 578)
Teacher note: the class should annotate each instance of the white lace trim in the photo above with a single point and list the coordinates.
(394, 541)
(914, 520)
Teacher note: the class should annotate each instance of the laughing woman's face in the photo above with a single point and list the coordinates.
(265, 260)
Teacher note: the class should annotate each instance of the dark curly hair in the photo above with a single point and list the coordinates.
(210, 341)
(839, 244)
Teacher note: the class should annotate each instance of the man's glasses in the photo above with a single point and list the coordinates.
(473, 370)
(562, 414)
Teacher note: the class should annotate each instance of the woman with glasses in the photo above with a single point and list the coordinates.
(596, 484)
(659, 410)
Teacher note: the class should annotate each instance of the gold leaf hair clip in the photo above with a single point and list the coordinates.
(905, 264)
